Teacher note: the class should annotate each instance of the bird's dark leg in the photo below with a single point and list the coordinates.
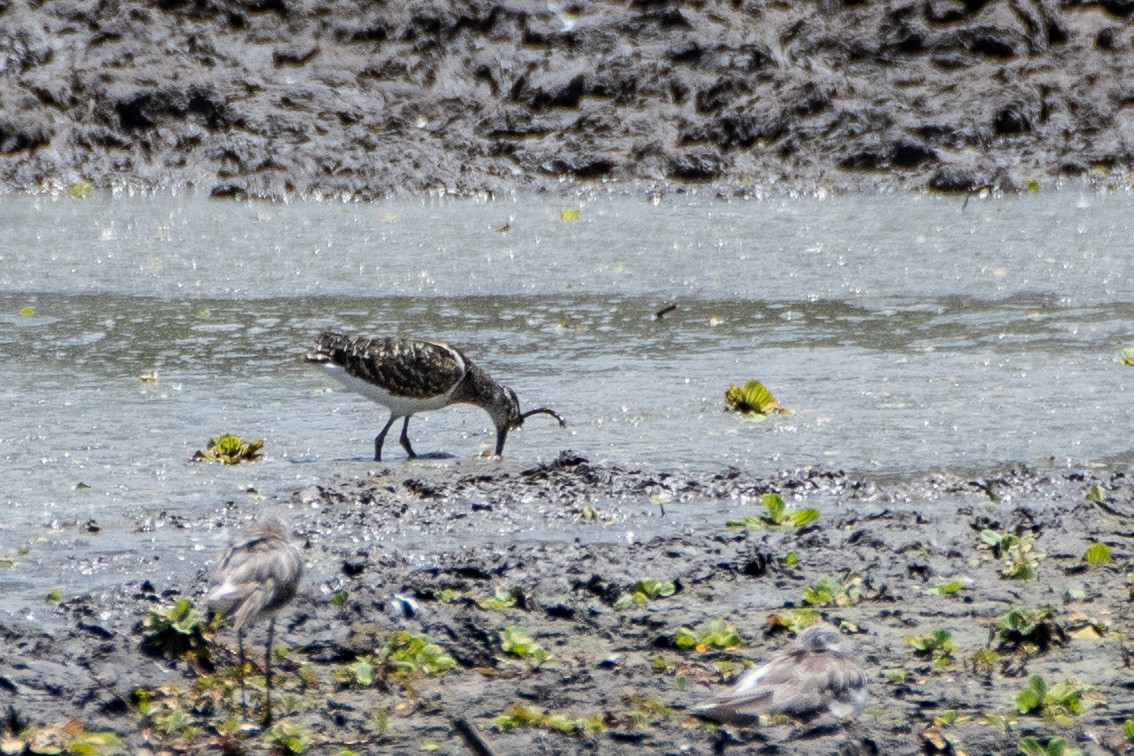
(268, 673)
(405, 439)
(501, 435)
(243, 696)
(381, 439)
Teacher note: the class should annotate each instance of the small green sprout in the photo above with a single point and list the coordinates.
(1128, 729)
(1057, 703)
(1096, 493)
(753, 399)
(359, 674)
(789, 560)
(53, 596)
(446, 595)
(339, 598)
(229, 449)
(712, 633)
(1032, 746)
(503, 598)
(517, 641)
(937, 646)
(998, 541)
(776, 514)
(289, 737)
(1127, 356)
(983, 662)
(948, 588)
(1097, 555)
(644, 591)
(938, 737)
(834, 591)
(520, 715)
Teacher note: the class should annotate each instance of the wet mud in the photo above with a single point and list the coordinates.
(540, 646)
(285, 98)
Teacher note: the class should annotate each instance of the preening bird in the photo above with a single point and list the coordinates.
(412, 375)
(257, 577)
(813, 676)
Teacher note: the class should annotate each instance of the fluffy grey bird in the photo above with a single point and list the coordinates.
(813, 676)
(257, 577)
(411, 375)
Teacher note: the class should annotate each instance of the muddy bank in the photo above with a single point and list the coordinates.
(543, 647)
(305, 97)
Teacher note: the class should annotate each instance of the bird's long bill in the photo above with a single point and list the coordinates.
(544, 411)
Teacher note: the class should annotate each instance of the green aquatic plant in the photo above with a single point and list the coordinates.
(517, 641)
(521, 715)
(411, 654)
(289, 737)
(1030, 745)
(1126, 356)
(936, 646)
(339, 598)
(1028, 630)
(795, 620)
(644, 591)
(445, 595)
(983, 662)
(834, 591)
(502, 598)
(1097, 555)
(948, 588)
(776, 513)
(713, 633)
(1020, 562)
(70, 737)
(358, 674)
(229, 449)
(179, 631)
(753, 399)
(1058, 703)
(1096, 493)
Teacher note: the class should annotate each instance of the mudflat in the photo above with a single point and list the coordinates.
(564, 645)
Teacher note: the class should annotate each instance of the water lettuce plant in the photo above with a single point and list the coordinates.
(834, 591)
(936, 645)
(712, 633)
(776, 514)
(407, 653)
(645, 590)
(517, 641)
(753, 399)
(1057, 703)
(230, 449)
(1030, 630)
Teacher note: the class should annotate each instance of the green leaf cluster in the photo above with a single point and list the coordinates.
(644, 591)
(936, 645)
(517, 641)
(502, 598)
(712, 633)
(179, 630)
(776, 514)
(948, 588)
(230, 449)
(752, 399)
(289, 737)
(520, 715)
(794, 621)
(1030, 630)
(71, 738)
(1097, 555)
(409, 653)
(1055, 703)
(834, 591)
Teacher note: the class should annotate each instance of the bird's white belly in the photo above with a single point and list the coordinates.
(400, 406)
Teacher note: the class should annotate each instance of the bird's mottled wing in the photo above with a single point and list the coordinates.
(258, 575)
(403, 367)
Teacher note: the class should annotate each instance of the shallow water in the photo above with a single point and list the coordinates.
(907, 335)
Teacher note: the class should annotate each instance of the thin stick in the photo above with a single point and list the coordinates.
(473, 738)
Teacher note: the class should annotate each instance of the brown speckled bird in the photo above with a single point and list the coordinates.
(411, 375)
(257, 577)
(813, 676)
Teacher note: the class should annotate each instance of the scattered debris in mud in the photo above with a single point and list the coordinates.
(603, 641)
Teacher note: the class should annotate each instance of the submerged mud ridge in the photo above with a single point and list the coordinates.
(540, 646)
(304, 97)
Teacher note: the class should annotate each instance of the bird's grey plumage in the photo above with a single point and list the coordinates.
(257, 577)
(812, 677)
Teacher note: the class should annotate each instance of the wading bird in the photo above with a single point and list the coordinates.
(258, 576)
(410, 375)
(813, 676)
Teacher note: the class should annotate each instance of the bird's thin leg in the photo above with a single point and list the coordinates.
(243, 696)
(268, 674)
(405, 439)
(381, 439)
(501, 436)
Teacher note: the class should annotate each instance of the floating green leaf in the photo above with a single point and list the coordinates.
(754, 398)
(229, 449)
